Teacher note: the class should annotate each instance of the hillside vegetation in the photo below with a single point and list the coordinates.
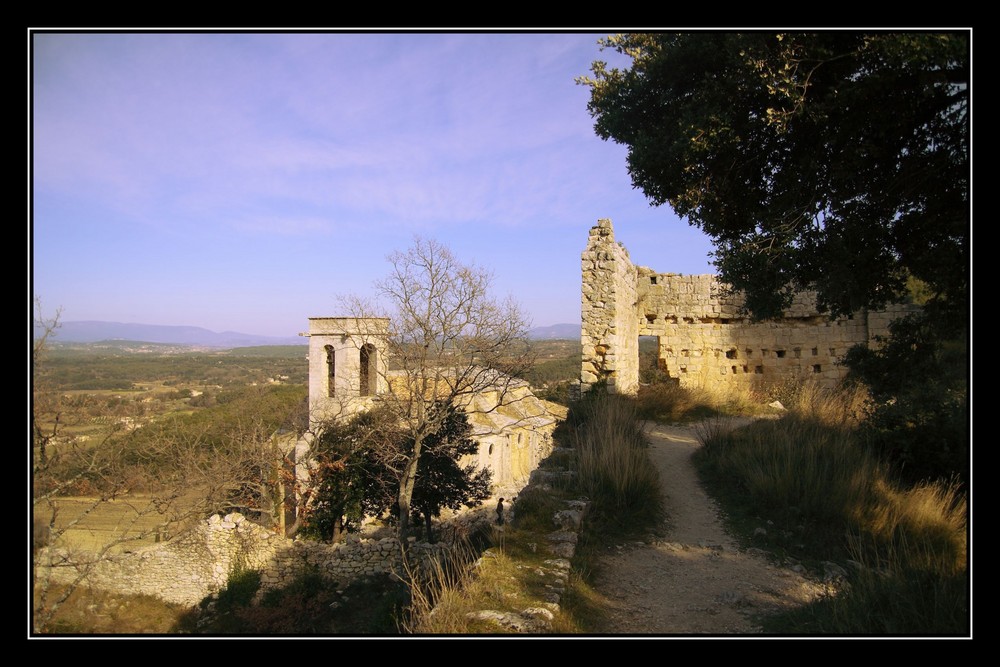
(813, 485)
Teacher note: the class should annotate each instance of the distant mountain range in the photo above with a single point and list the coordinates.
(94, 331)
(568, 331)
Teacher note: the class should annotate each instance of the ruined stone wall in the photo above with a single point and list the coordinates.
(610, 333)
(197, 564)
(705, 340)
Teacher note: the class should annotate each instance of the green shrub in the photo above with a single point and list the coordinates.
(534, 508)
(310, 604)
(241, 586)
(919, 384)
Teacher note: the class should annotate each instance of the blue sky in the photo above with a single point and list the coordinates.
(243, 181)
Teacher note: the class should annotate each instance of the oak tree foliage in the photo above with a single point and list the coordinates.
(348, 477)
(359, 465)
(837, 161)
(442, 482)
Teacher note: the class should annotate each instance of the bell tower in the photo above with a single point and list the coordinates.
(347, 365)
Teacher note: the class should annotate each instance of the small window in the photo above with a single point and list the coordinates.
(780, 353)
(652, 280)
(817, 368)
(368, 371)
(731, 353)
(331, 371)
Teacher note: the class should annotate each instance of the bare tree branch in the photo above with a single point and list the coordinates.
(449, 340)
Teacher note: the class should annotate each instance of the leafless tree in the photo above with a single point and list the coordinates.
(449, 342)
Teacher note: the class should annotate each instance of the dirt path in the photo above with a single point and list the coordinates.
(695, 580)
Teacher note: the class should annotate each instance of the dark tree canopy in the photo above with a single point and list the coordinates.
(837, 160)
(441, 481)
(360, 463)
(351, 478)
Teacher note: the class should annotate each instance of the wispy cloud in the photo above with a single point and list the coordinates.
(279, 138)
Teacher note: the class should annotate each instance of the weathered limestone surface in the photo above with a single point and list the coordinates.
(610, 333)
(514, 433)
(335, 365)
(197, 564)
(705, 339)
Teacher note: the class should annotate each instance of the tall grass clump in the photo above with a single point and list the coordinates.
(669, 402)
(843, 408)
(809, 475)
(439, 592)
(448, 593)
(613, 467)
(923, 526)
(910, 575)
(793, 467)
(912, 578)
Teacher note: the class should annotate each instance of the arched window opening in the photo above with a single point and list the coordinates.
(369, 374)
(331, 371)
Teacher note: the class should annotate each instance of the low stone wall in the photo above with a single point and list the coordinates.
(192, 566)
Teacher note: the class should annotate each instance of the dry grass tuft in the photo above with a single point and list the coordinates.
(614, 469)
(811, 467)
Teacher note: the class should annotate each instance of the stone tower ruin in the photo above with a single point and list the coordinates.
(704, 337)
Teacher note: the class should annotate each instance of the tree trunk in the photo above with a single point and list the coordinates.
(427, 520)
(293, 529)
(338, 529)
(406, 484)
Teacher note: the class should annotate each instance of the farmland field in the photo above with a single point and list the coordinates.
(90, 523)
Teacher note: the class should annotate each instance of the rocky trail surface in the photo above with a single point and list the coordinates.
(695, 580)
